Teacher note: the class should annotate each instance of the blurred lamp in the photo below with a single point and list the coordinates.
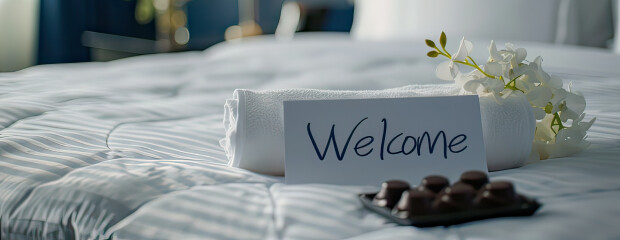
(247, 22)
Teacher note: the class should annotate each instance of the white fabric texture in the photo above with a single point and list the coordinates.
(254, 124)
(130, 149)
(508, 126)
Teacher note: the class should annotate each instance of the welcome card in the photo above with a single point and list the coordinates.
(368, 141)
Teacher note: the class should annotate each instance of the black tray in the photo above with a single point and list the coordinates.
(526, 208)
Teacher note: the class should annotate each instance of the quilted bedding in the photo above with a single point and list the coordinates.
(129, 149)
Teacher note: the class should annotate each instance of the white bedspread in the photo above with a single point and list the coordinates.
(129, 149)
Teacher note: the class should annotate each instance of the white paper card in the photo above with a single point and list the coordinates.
(368, 141)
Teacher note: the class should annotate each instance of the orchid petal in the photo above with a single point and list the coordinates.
(521, 54)
(494, 54)
(558, 96)
(568, 114)
(464, 48)
(513, 60)
(462, 79)
(446, 70)
(539, 96)
(555, 82)
(472, 85)
(493, 85)
(539, 113)
(543, 129)
(523, 83)
(571, 135)
(522, 70)
(575, 105)
(494, 68)
(537, 62)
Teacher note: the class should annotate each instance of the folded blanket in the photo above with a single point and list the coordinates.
(254, 124)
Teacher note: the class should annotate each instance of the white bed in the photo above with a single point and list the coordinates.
(129, 149)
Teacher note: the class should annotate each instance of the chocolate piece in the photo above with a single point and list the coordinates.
(458, 197)
(414, 202)
(497, 194)
(434, 183)
(476, 179)
(390, 193)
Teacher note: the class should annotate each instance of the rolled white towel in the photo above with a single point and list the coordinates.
(254, 124)
(508, 128)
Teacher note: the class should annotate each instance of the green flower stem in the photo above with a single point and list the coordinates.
(472, 60)
(513, 85)
(558, 121)
(476, 67)
(512, 88)
(513, 82)
(447, 53)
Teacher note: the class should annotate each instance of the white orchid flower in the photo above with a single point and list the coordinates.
(543, 131)
(582, 126)
(570, 135)
(539, 97)
(519, 55)
(448, 70)
(576, 132)
(526, 70)
(499, 62)
(510, 56)
(573, 106)
(524, 84)
(558, 101)
(496, 56)
(463, 79)
(568, 141)
(505, 74)
(492, 85)
(553, 82)
(497, 68)
(476, 82)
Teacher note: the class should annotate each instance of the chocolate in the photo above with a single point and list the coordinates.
(497, 194)
(434, 202)
(434, 183)
(476, 179)
(458, 197)
(415, 202)
(390, 193)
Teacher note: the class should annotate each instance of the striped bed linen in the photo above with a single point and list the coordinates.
(129, 150)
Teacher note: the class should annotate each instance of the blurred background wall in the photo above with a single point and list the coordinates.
(18, 33)
(61, 31)
(575, 22)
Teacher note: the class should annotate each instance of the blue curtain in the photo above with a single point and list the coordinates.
(62, 22)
